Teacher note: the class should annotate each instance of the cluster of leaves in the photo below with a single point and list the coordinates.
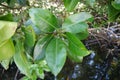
(43, 43)
(59, 41)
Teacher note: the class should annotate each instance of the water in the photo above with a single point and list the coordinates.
(92, 68)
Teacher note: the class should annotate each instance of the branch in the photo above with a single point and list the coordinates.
(10, 7)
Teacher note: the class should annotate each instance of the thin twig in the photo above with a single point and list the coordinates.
(15, 78)
(96, 38)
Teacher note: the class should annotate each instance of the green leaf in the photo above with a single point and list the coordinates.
(77, 18)
(43, 19)
(112, 13)
(7, 17)
(40, 73)
(24, 78)
(91, 2)
(76, 23)
(5, 64)
(29, 36)
(116, 4)
(75, 27)
(83, 35)
(40, 47)
(6, 50)
(70, 4)
(76, 49)
(7, 30)
(20, 59)
(30, 23)
(56, 55)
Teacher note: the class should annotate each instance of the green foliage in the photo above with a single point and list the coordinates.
(54, 41)
(70, 4)
(51, 45)
(116, 4)
(43, 19)
(7, 17)
(40, 47)
(29, 36)
(76, 24)
(56, 55)
(76, 49)
(5, 63)
(83, 35)
(38, 69)
(20, 59)
(6, 50)
(75, 27)
(43, 42)
(113, 10)
(7, 30)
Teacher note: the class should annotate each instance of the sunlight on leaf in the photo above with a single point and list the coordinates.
(56, 55)
(7, 30)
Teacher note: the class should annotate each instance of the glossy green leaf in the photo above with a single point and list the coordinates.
(77, 18)
(20, 59)
(70, 4)
(40, 47)
(7, 17)
(29, 36)
(116, 4)
(75, 27)
(30, 23)
(6, 50)
(82, 35)
(43, 19)
(7, 30)
(76, 49)
(76, 23)
(112, 13)
(56, 55)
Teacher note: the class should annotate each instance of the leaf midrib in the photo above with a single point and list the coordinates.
(47, 22)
